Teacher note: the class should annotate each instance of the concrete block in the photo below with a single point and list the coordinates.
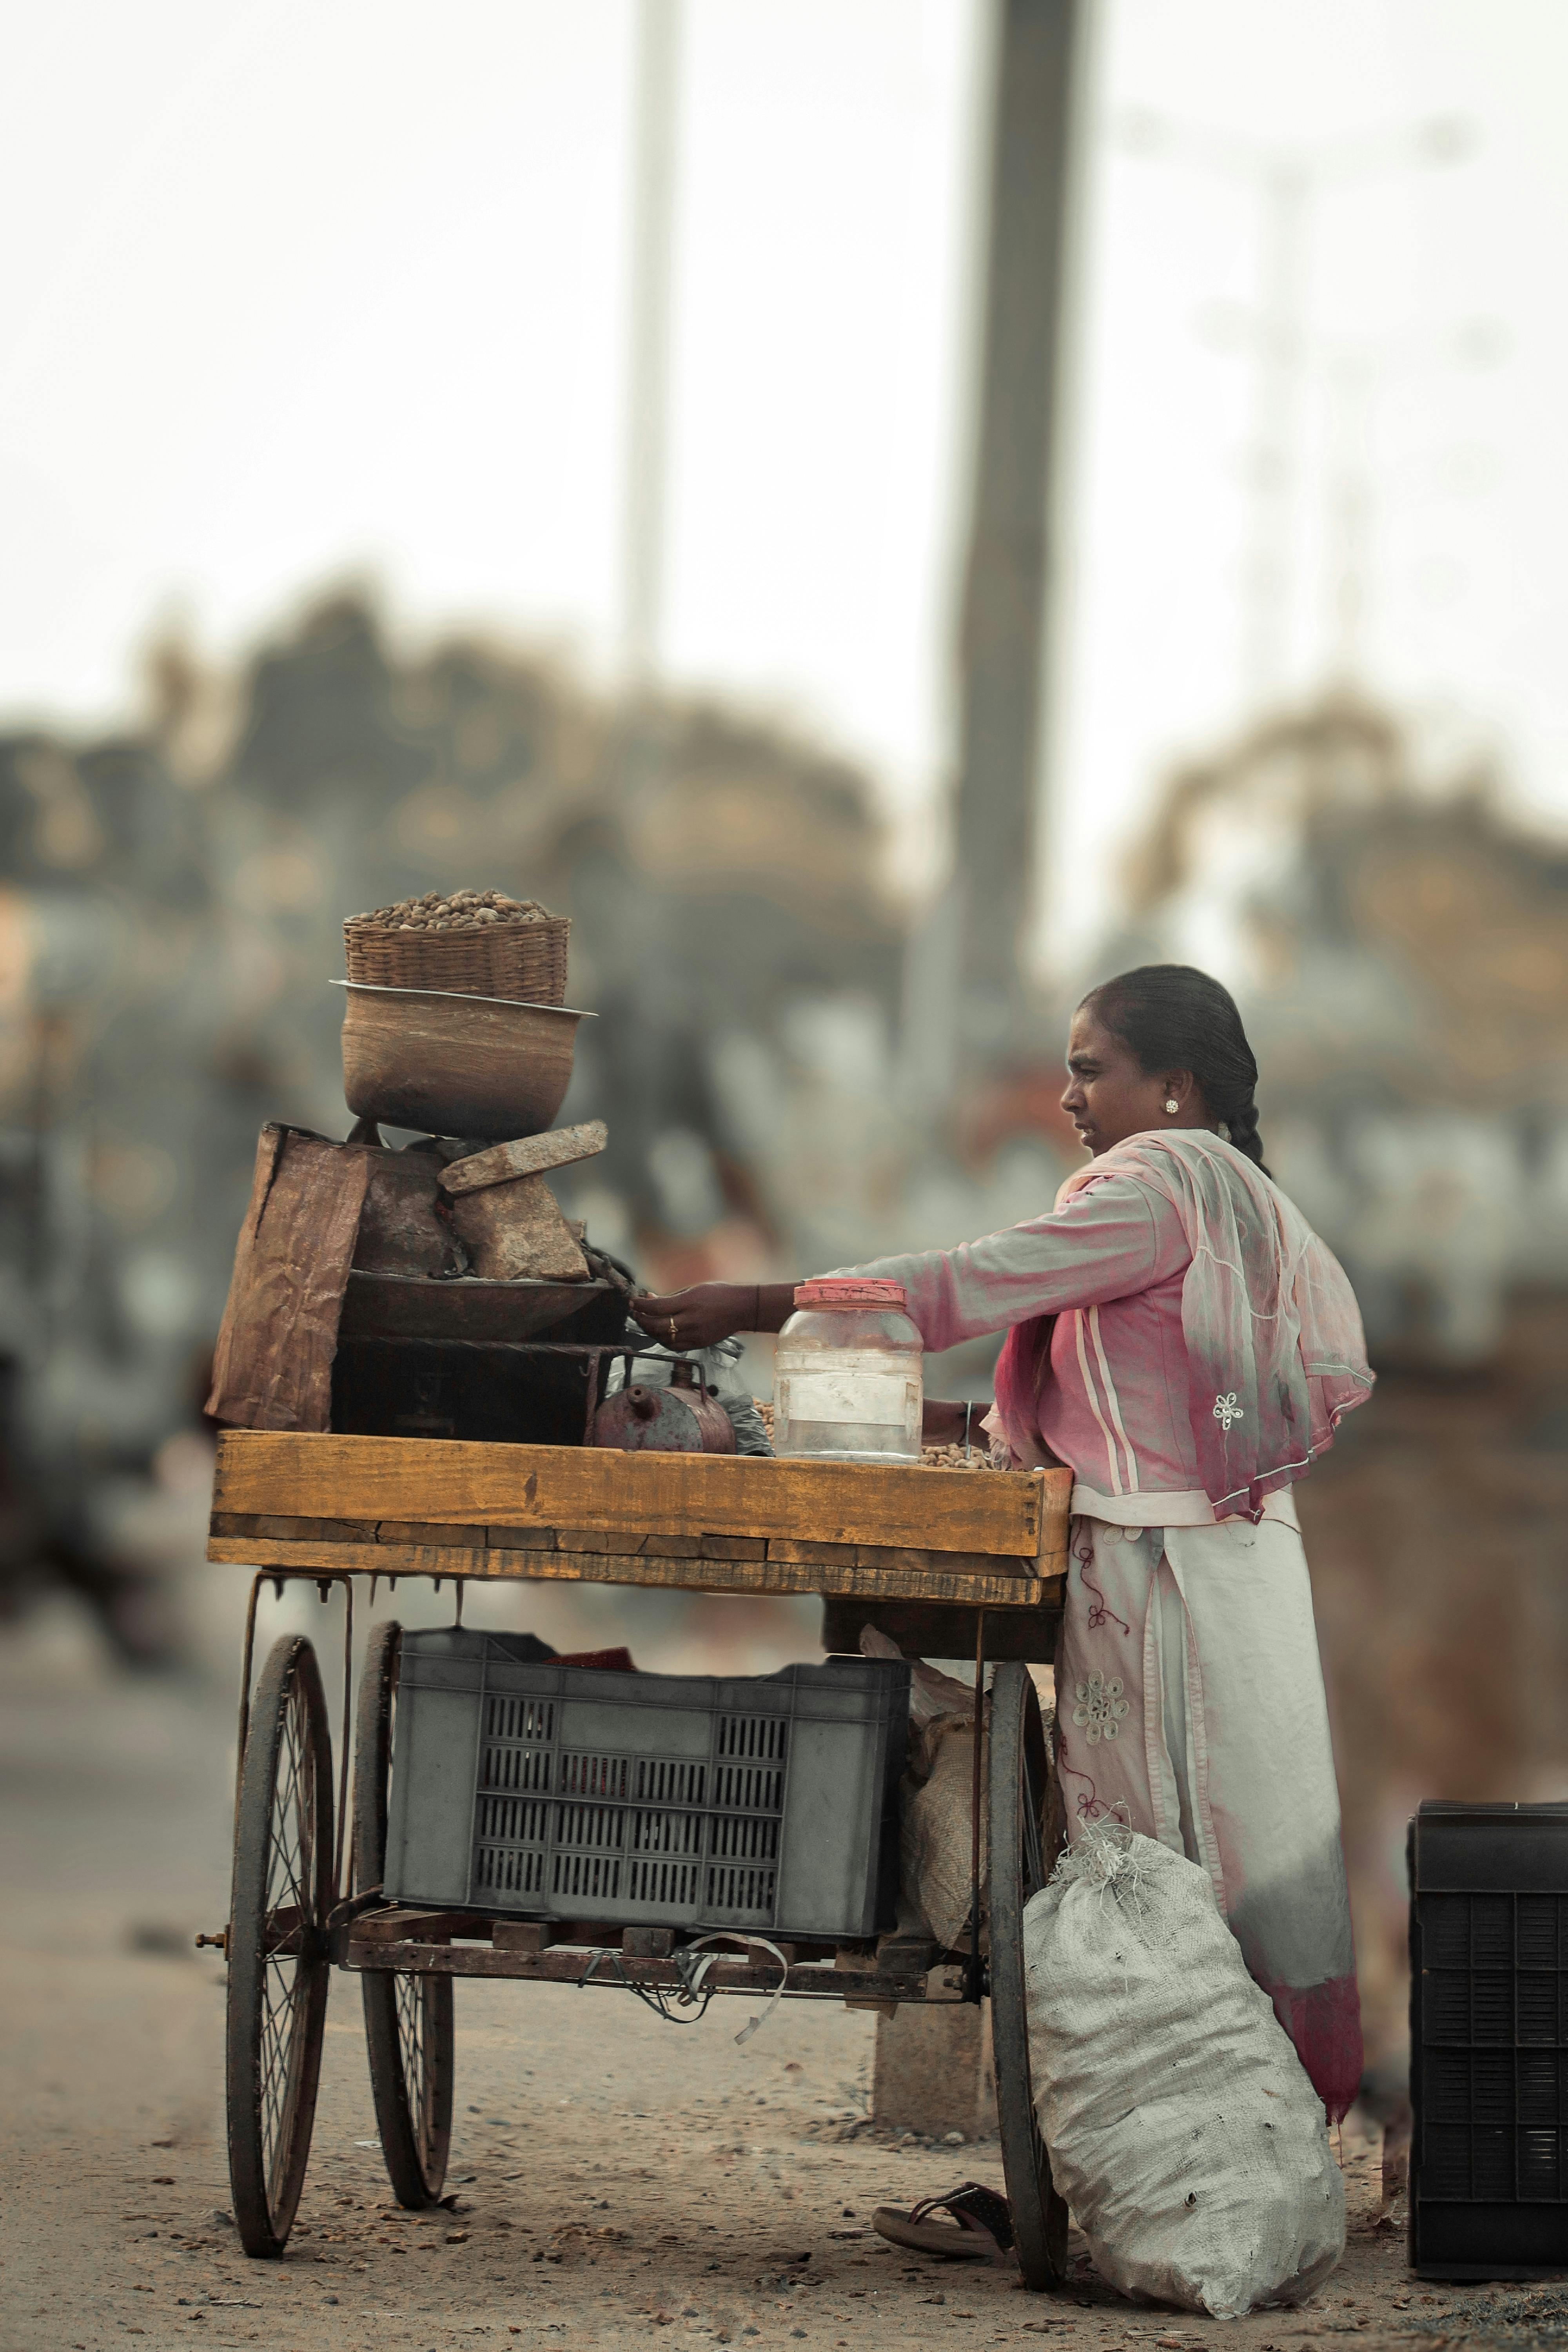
(934, 2071)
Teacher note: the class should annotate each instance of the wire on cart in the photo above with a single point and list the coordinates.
(692, 1965)
(692, 1995)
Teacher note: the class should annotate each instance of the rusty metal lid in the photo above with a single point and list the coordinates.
(850, 1290)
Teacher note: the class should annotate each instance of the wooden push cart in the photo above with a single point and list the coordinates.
(949, 1563)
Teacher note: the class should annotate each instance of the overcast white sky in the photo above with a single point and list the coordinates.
(293, 292)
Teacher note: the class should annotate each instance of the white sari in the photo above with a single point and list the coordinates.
(1190, 1702)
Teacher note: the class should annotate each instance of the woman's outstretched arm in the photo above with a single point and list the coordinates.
(1107, 1241)
(713, 1311)
(1114, 1239)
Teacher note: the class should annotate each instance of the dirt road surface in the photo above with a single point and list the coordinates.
(613, 2179)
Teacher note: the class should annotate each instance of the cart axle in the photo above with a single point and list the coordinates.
(580, 1964)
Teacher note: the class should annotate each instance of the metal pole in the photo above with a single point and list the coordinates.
(642, 957)
(647, 374)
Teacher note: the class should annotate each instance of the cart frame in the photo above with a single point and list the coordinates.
(947, 1563)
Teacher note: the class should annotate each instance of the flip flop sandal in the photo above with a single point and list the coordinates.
(983, 2231)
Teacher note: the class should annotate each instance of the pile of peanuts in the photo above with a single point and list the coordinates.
(951, 1457)
(465, 910)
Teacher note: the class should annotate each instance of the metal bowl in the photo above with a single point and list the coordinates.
(448, 1065)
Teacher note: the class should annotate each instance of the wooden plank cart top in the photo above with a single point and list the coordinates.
(929, 1547)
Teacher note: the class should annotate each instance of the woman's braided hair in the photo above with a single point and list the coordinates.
(1170, 1017)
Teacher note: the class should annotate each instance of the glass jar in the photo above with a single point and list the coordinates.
(847, 1382)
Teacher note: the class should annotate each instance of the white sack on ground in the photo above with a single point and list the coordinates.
(1182, 2130)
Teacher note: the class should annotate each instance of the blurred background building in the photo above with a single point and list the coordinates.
(1061, 524)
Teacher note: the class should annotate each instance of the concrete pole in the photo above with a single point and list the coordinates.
(1007, 587)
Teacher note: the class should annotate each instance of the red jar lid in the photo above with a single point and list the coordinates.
(847, 1290)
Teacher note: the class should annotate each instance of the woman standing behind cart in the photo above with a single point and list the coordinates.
(1182, 1341)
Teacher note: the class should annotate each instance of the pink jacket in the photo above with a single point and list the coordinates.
(1170, 1267)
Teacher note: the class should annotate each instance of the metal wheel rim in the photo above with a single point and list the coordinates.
(290, 1947)
(1018, 1826)
(409, 2016)
(277, 1970)
(416, 2024)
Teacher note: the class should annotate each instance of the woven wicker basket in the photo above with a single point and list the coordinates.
(523, 962)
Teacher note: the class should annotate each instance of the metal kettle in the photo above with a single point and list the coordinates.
(681, 1419)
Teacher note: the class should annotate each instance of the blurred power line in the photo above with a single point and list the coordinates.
(1286, 180)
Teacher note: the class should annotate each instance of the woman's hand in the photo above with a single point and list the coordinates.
(707, 1312)
(943, 1423)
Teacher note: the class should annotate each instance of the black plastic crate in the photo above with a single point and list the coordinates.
(1489, 2039)
(547, 1791)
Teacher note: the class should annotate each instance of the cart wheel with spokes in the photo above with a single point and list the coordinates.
(408, 2019)
(278, 1954)
(1020, 1861)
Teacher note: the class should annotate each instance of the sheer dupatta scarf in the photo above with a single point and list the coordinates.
(1275, 1354)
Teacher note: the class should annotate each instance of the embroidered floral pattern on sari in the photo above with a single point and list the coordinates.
(1102, 1709)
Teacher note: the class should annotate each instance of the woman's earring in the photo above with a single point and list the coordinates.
(1171, 1105)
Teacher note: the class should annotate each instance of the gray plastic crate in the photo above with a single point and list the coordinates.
(566, 1792)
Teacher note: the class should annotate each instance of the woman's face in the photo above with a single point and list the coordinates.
(1109, 1098)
